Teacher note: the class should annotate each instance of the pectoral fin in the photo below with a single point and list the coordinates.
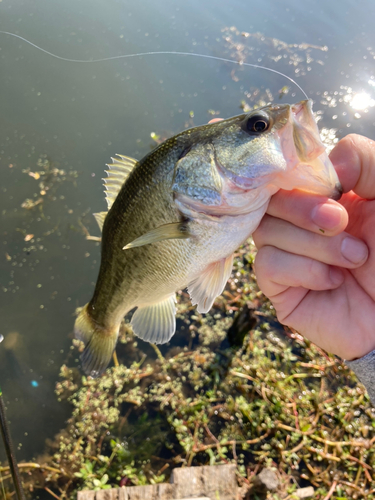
(156, 323)
(210, 284)
(173, 231)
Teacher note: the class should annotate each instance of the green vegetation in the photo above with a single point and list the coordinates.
(266, 398)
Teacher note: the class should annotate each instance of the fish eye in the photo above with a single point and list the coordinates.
(258, 123)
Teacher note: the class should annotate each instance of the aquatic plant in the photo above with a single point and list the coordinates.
(267, 398)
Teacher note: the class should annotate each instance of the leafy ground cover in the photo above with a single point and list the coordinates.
(239, 388)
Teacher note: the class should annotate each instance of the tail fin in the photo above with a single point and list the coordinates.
(99, 343)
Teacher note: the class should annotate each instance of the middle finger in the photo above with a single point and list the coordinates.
(341, 250)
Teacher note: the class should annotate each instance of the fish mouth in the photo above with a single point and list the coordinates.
(306, 135)
(306, 154)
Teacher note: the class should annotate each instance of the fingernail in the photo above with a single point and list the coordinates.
(327, 215)
(336, 275)
(354, 250)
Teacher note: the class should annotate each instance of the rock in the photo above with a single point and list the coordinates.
(305, 492)
(187, 483)
(212, 481)
(267, 480)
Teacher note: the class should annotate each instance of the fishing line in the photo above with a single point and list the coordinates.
(156, 53)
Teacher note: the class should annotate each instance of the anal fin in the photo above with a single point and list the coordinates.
(210, 284)
(156, 323)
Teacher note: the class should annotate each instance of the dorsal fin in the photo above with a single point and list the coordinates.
(99, 217)
(117, 175)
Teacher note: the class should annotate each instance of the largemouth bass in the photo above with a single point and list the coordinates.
(177, 216)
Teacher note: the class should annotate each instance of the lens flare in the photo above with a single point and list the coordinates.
(361, 101)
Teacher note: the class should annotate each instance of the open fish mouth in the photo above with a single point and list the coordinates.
(305, 132)
(305, 152)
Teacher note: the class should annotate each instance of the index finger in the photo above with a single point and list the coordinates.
(315, 213)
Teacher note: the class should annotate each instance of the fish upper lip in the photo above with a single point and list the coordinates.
(297, 108)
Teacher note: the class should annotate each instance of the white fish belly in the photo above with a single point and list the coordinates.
(185, 260)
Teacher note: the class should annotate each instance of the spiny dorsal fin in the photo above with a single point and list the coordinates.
(99, 217)
(117, 174)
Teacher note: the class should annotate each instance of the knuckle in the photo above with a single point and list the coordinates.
(281, 318)
(350, 140)
(262, 232)
(317, 274)
(265, 262)
(313, 269)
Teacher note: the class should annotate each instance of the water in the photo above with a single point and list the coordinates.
(73, 117)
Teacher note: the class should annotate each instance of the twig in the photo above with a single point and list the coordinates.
(317, 367)
(115, 360)
(293, 429)
(355, 487)
(87, 234)
(32, 465)
(242, 375)
(93, 238)
(295, 449)
(331, 490)
(165, 466)
(158, 353)
(368, 477)
(3, 478)
(360, 462)
(52, 493)
(358, 475)
(2, 486)
(363, 444)
(302, 375)
(328, 456)
(295, 412)
(234, 452)
(211, 435)
(227, 443)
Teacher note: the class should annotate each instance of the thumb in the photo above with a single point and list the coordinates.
(354, 160)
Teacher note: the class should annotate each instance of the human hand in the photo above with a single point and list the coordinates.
(323, 283)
